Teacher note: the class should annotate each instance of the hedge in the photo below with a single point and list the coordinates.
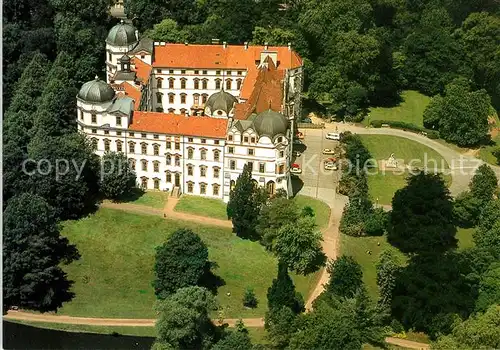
(432, 134)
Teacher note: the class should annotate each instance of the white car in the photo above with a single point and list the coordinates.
(296, 170)
(333, 136)
(328, 151)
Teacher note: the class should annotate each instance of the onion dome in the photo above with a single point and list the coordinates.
(96, 91)
(221, 101)
(122, 34)
(270, 123)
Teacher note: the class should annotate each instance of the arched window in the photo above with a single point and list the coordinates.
(158, 83)
(190, 153)
(171, 98)
(168, 159)
(168, 175)
(217, 83)
(144, 182)
(131, 147)
(118, 146)
(177, 161)
(216, 172)
(183, 110)
(216, 155)
(232, 184)
(271, 187)
(238, 84)
(171, 83)
(156, 166)
(203, 154)
(144, 164)
(216, 188)
(106, 145)
(183, 83)
(95, 142)
(196, 99)
(144, 148)
(204, 84)
(204, 98)
(190, 170)
(156, 183)
(203, 188)
(156, 150)
(190, 186)
(229, 84)
(183, 98)
(196, 84)
(171, 110)
(203, 171)
(159, 98)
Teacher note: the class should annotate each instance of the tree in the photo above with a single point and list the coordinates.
(388, 265)
(64, 170)
(117, 177)
(167, 31)
(484, 184)
(234, 340)
(184, 319)
(489, 288)
(481, 331)
(487, 235)
(421, 220)
(179, 263)
(33, 252)
(346, 277)
(275, 213)
(466, 209)
(282, 292)
(461, 115)
(298, 245)
(496, 153)
(244, 205)
(249, 298)
(355, 214)
(280, 325)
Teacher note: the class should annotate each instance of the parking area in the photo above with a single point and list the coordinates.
(311, 160)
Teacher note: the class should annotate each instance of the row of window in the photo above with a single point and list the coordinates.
(280, 169)
(199, 83)
(190, 168)
(190, 185)
(171, 98)
(156, 147)
(196, 71)
(252, 139)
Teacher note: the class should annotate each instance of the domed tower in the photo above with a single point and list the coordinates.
(220, 104)
(121, 39)
(92, 101)
(271, 124)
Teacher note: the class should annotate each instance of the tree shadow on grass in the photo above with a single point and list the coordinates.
(131, 196)
(210, 280)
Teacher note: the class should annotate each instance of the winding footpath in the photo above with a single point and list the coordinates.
(462, 168)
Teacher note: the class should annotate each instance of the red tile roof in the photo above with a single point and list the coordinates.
(175, 124)
(131, 91)
(216, 56)
(142, 69)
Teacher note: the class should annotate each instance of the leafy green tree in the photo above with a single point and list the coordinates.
(275, 213)
(481, 331)
(489, 288)
(249, 298)
(234, 340)
(298, 245)
(487, 235)
(64, 170)
(466, 209)
(184, 320)
(245, 202)
(496, 153)
(354, 217)
(388, 265)
(484, 184)
(461, 115)
(421, 221)
(346, 277)
(282, 292)
(168, 31)
(280, 325)
(179, 263)
(33, 252)
(117, 177)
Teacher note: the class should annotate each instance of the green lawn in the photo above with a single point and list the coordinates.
(464, 236)
(113, 277)
(382, 187)
(154, 199)
(486, 152)
(410, 110)
(213, 208)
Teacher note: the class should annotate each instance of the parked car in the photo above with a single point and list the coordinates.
(333, 136)
(328, 151)
(331, 164)
(300, 135)
(297, 142)
(296, 169)
(306, 120)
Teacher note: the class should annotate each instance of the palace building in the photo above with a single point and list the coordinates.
(189, 117)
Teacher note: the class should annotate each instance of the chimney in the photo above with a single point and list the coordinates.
(215, 41)
(246, 45)
(289, 46)
(224, 44)
(137, 34)
(266, 45)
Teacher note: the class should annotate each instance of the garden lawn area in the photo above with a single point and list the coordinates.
(410, 110)
(464, 236)
(486, 152)
(114, 274)
(321, 209)
(153, 199)
(210, 207)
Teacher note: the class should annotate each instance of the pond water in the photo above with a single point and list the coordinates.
(18, 336)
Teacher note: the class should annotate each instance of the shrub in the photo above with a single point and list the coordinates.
(376, 123)
(376, 222)
(249, 298)
(432, 134)
(496, 153)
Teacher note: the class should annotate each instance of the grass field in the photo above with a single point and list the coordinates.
(464, 236)
(153, 199)
(486, 152)
(213, 208)
(410, 110)
(113, 277)
(383, 185)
